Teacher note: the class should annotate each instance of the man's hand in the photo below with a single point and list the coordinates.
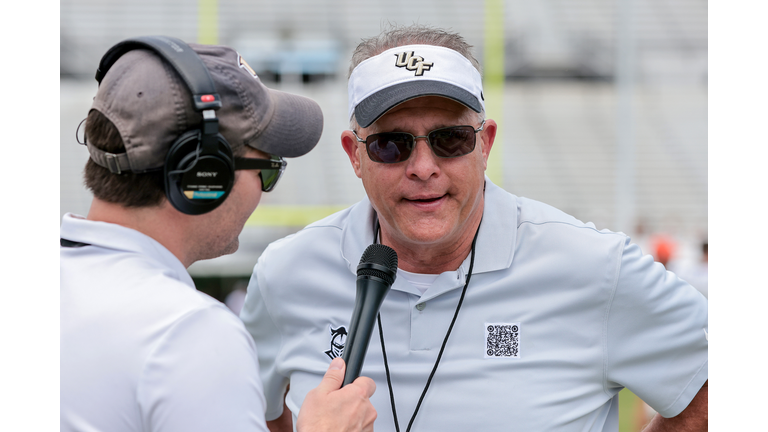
(694, 418)
(330, 408)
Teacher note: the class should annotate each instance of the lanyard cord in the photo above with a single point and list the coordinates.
(442, 348)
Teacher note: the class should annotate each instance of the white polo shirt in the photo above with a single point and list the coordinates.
(141, 348)
(558, 318)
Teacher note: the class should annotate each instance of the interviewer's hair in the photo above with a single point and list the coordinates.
(395, 36)
(127, 189)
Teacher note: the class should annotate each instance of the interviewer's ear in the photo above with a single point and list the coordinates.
(354, 151)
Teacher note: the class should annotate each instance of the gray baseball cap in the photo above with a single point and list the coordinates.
(151, 106)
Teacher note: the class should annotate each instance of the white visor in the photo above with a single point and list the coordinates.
(382, 82)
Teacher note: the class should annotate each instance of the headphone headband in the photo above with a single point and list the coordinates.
(183, 59)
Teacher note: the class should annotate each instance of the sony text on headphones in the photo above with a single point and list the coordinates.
(199, 168)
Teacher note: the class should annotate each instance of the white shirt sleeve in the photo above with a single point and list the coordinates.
(260, 324)
(656, 326)
(202, 376)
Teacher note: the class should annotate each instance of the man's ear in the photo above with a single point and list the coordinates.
(349, 142)
(487, 137)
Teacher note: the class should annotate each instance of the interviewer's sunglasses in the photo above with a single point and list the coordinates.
(393, 147)
(271, 169)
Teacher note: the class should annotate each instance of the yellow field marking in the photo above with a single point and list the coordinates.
(290, 215)
(208, 22)
(493, 82)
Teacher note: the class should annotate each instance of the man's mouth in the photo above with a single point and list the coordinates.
(425, 199)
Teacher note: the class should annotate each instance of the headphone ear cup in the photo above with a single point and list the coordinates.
(195, 182)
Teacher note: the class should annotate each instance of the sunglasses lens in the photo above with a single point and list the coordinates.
(393, 147)
(453, 141)
(389, 147)
(269, 177)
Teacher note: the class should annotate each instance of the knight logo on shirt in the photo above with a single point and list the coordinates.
(412, 62)
(338, 339)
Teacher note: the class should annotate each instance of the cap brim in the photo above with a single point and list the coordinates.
(376, 105)
(295, 126)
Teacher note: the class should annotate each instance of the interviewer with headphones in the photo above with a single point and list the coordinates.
(183, 140)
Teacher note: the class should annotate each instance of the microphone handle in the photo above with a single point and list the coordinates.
(370, 295)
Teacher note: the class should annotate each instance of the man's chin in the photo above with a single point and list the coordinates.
(232, 248)
(228, 250)
(427, 233)
(422, 228)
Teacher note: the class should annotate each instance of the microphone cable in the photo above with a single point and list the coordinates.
(442, 348)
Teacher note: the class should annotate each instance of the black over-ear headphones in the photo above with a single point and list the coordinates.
(199, 169)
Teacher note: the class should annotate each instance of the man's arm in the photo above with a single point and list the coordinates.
(284, 423)
(183, 386)
(694, 417)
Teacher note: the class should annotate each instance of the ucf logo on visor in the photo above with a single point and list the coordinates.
(412, 62)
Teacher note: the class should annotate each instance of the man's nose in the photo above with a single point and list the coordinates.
(423, 163)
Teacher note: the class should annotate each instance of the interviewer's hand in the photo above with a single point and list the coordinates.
(330, 408)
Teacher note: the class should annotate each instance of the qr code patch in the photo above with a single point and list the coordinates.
(502, 340)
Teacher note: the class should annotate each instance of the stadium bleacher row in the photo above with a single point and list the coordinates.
(559, 110)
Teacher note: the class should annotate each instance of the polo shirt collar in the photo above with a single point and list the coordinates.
(495, 245)
(357, 234)
(119, 238)
(495, 241)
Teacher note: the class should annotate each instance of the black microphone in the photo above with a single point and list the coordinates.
(375, 276)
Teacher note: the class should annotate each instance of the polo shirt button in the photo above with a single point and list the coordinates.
(421, 306)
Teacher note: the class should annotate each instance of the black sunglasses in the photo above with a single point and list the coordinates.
(393, 147)
(271, 169)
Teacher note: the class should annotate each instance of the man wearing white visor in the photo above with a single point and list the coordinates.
(506, 314)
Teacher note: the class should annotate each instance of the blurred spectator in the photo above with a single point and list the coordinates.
(663, 249)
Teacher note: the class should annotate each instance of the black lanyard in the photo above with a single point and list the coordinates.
(69, 243)
(442, 348)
